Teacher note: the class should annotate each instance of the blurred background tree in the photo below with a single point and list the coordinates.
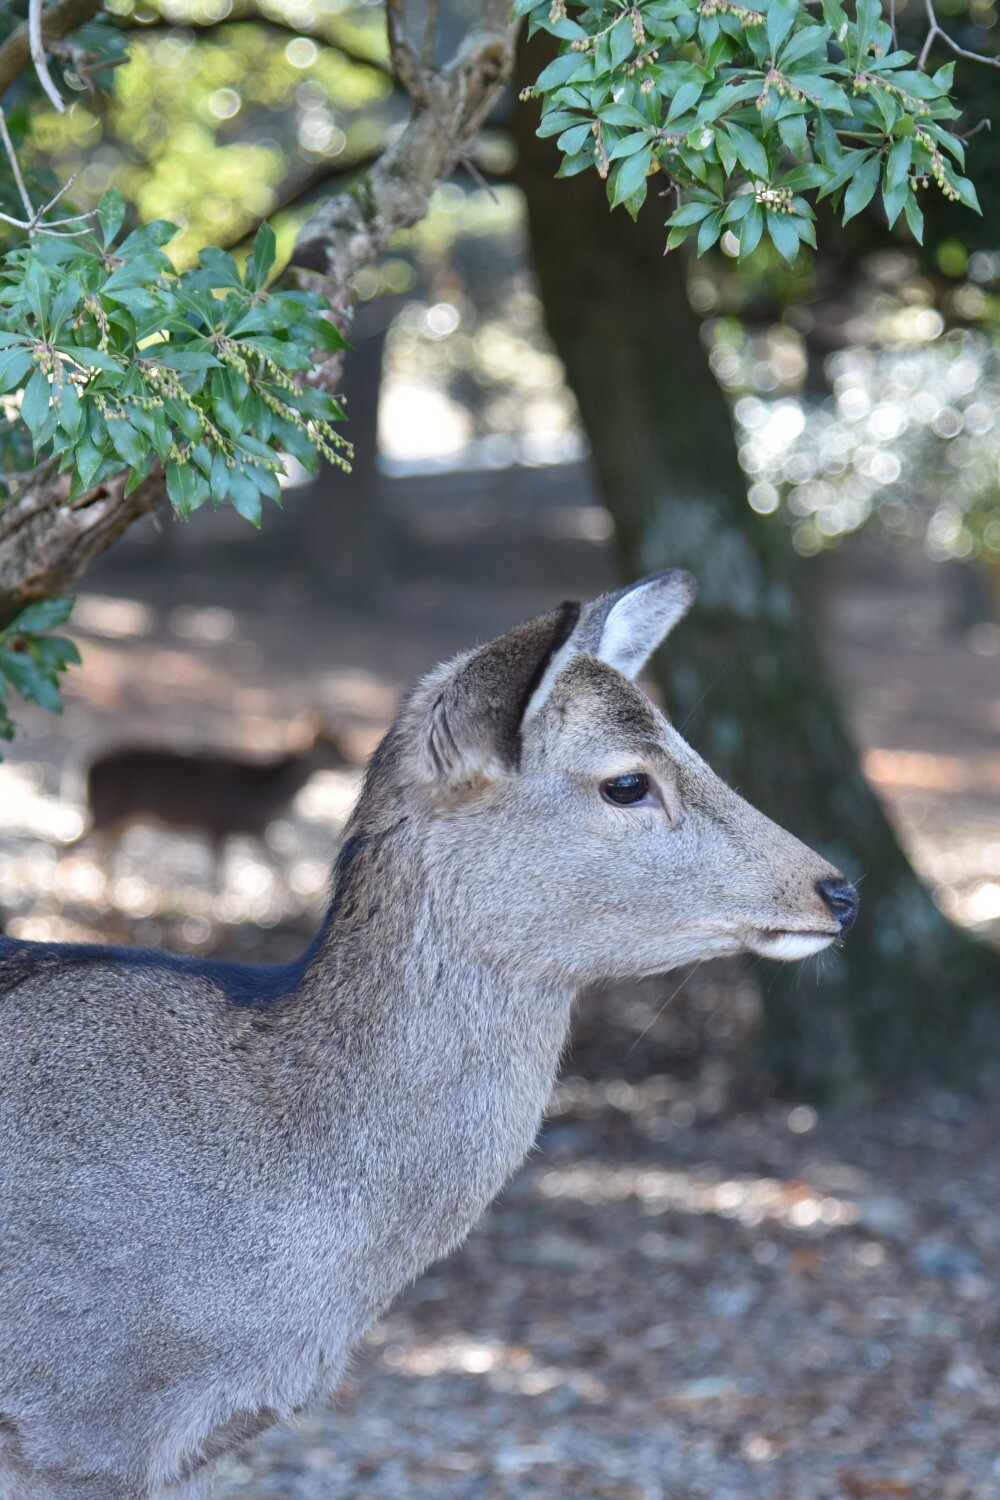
(691, 377)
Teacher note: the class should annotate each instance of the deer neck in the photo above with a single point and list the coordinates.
(430, 1068)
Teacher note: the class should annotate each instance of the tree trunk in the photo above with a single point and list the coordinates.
(908, 993)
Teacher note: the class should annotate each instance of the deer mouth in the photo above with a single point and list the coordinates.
(788, 945)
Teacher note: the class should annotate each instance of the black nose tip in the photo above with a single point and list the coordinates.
(842, 899)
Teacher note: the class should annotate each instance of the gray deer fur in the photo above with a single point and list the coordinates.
(213, 1178)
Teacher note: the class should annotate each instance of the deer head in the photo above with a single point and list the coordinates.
(574, 829)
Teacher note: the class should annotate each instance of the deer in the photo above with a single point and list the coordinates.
(215, 1176)
(217, 794)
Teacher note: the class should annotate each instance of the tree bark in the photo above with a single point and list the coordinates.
(47, 540)
(907, 993)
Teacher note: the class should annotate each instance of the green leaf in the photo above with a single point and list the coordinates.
(91, 359)
(36, 285)
(110, 214)
(897, 163)
(30, 680)
(139, 271)
(221, 268)
(227, 417)
(622, 41)
(914, 217)
(691, 212)
(69, 409)
(781, 16)
(631, 175)
(147, 237)
(265, 248)
(711, 228)
(784, 232)
(183, 360)
(14, 365)
(188, 422)
(799, 179)
(869, 14)
(265, 317)
(686, 98)
(749, 152)
(573, 140)
(219, 476)
(67, 300)
(563, 69)
(738, 208)
(966, 193)
(572, 165)
(245, 495)
(44, 614)
(751, 230)
(627, 146)
(555, 121)
(35, 402)
(87, 458)
(624, 115)
(894, 198)
(127, 443)
(182, 487)
(861, 188)
(810, 42)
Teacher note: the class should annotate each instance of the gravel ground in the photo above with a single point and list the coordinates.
(680, 1299)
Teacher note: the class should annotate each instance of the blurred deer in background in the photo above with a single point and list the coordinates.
(216, 793)
(215, 1176)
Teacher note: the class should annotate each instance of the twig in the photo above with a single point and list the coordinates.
(38, 54)
(430, 31)
(405, 63)
(983, 125)
(8, 146)
(936, 30)
(99, 65)
(61, 194)
(34, 222)
(410, 73)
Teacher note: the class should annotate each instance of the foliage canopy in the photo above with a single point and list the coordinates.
(747, 111)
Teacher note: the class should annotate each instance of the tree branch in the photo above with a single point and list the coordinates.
(47, 540)
(57, 20)
(36, 45)
(352, 230)
(937, 30)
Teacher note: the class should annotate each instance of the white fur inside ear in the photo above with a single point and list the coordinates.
(642, 618)
(559, 661)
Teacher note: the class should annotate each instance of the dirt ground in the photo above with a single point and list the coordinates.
(690, 1292)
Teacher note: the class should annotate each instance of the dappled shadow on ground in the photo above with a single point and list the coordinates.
(674, 1304)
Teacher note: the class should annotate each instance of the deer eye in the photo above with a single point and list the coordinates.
(625, 791)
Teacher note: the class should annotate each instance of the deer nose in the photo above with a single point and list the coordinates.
(842, 899)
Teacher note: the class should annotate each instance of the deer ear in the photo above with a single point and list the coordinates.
(622, 629)
(470, 711)
(636, 620)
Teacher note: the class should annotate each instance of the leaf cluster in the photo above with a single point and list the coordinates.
(30, 660)
(751, 113)
(111, 360)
